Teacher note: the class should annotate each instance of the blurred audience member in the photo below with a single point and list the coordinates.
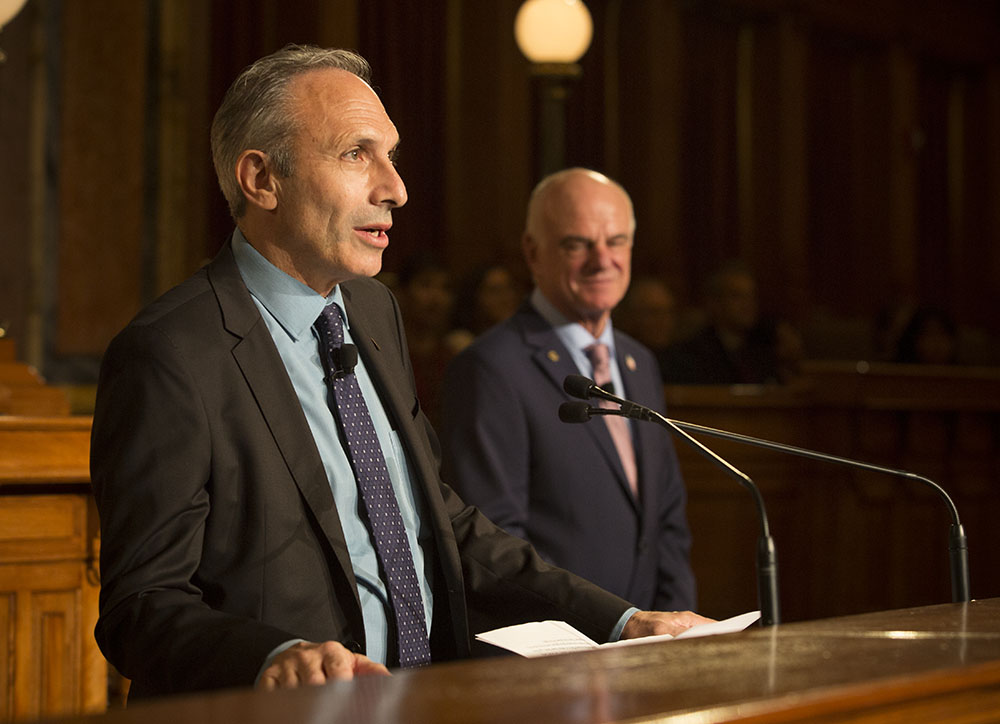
(649, 313)
(930, 337)
(488, 296)
(736, 346)
(425, 292)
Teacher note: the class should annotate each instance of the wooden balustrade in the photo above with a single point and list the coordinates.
(23, 391)
(848, 541)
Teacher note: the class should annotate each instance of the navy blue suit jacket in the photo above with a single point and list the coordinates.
(560, 485)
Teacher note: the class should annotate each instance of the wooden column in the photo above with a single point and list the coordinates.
(905, 140)
(101, 173)
(793, 150)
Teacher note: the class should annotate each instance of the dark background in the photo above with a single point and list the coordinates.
(844, 148)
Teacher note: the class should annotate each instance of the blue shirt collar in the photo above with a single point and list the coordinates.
(293, 304)
(571, 334)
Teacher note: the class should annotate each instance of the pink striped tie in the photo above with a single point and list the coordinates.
(599, 357)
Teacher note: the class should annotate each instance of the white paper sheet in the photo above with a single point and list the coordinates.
(543, 638)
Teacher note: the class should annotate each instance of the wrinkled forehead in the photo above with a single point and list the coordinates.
(331, 96)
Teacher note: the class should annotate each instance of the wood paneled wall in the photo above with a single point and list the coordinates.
(842, 148)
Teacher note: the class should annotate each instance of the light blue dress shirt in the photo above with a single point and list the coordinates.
(576, 339)
(289, 309)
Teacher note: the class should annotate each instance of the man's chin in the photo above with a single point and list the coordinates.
(369, 266)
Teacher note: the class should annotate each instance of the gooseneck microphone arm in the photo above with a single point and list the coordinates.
(958, 547)
(957, 543)
(767, 557)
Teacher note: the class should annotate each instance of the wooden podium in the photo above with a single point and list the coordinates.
(49, 661)
(931, 664)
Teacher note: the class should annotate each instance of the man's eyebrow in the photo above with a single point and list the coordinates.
(369, 143)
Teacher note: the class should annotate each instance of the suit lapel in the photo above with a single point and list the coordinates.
(644, 434)
(554, 360)
(380, 347)
(264, 371)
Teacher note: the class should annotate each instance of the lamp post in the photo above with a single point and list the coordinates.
(553, 35)
(8, 9)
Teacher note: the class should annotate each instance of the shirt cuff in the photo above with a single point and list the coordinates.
(616, 632)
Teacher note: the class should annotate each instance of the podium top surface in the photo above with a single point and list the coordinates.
(921, 664)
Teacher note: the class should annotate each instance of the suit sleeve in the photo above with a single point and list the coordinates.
(675, 579)
(150, 462)
(485, 441)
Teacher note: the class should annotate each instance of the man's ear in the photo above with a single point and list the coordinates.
(257, 180)
(530, 249)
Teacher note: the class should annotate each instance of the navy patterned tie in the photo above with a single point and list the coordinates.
(379, 499)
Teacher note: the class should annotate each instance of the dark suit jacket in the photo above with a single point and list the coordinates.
(559, 485)
(220, 538)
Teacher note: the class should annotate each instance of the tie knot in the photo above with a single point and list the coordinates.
(599, 357)
(330, 326)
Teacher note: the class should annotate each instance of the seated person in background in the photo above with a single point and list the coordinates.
(736, 346)
(424, 290)
(649, 313)
(605, 501)
(488, 296)
(930, 337)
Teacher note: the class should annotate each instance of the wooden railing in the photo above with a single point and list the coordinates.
(848, 541)
(22, 390)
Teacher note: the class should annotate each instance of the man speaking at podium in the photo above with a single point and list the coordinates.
(268, 490)
(606, 500)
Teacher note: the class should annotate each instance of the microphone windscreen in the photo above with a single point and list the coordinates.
(574, 412)
(578, 386)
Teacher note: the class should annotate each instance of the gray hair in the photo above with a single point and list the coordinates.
(255, 112)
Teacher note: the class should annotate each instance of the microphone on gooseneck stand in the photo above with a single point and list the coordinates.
(767, 558)
(958, 548)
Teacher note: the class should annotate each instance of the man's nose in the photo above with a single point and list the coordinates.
(390, 189)
(599, 255)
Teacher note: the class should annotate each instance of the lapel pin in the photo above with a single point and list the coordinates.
(630, 362)
(553, 355)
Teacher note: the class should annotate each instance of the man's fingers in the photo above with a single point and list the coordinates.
(337, 662)
(363, 666)
(651, 623)
(309, 663)
(279, 675)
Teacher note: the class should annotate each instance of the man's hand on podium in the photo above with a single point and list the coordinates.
(656, 623)
(307, 663)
